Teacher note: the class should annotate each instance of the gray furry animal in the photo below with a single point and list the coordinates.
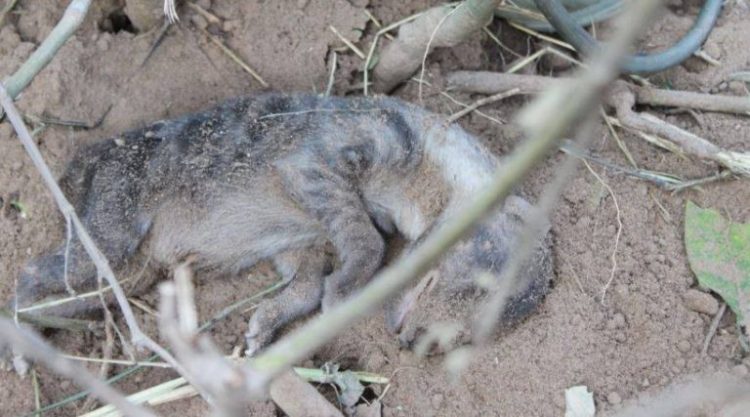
(313, 184)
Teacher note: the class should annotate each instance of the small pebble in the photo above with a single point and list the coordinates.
(683, 346)
(103, 43)
(701, 302)
(437, 400)
(64, 385)
(614, 398)
(740, 370)
(406, 357)
(622, 290)
(199, 21)
(204, 4)
(620, 337)
(616, 322)
(646, 383)
(230, 25)
(559, 401)
(738, 88)
(712, 49)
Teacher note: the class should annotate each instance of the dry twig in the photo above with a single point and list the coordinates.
(622, 97)
(617, 236)
(482, 102)
(234, 57)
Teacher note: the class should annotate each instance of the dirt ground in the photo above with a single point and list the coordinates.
(641, 338)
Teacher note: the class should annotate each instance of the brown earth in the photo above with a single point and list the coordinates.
(641, 338)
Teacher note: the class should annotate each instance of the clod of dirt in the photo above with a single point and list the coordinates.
(144, 14)
(701, 302)
(614, 398)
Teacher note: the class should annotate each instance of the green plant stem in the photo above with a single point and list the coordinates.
(70, 21)
(51, 322)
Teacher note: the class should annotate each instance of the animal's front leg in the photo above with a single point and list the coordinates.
(334, 201)
(303, 271)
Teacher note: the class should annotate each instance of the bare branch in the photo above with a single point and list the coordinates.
(223, 382)
(622, 100)
(31, 345)
(297, 398)
(488, 82)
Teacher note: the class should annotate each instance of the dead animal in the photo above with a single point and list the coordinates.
(314, 184)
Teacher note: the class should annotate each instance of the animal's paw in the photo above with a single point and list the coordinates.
(11, 361)
(331, 298)
(257, 336)
(434, 338)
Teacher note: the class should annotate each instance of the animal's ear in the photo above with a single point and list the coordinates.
(525, 211)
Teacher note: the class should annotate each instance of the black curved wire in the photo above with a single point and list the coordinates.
(566, 26)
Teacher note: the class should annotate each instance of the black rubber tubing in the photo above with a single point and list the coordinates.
(566, 26)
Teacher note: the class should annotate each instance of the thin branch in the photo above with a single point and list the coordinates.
(482, 102)
(297, 398)
(544, 128)
(347, 42)
(332, 74)
(70, 21)
(489, 82)
(31, 345)
(51, 322)
(712, 329)
(528, 239)
(617, 236)
(234, 57)
(210, 371)
(622, 99)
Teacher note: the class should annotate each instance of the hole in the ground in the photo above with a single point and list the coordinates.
(369, 395)
(117, 21)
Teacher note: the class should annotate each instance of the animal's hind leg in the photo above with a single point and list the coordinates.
(303, 270)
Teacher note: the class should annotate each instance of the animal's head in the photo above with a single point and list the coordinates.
(452, 294)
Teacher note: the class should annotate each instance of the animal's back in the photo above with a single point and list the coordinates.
(190, 178)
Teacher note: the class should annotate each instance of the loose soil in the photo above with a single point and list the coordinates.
(639, 339)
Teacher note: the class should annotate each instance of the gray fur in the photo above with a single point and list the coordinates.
(281, 177)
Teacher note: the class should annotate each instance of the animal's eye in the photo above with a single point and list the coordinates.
(355, 158)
